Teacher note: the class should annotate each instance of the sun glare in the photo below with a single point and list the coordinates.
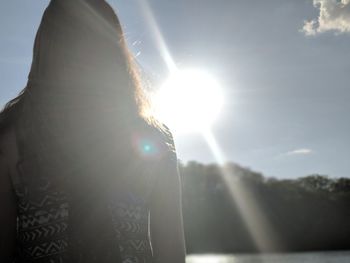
(189, 101)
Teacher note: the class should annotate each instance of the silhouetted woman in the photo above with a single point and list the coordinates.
(87, 172)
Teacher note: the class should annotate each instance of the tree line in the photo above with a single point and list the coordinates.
(307, 213)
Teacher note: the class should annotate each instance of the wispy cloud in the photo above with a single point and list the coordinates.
(334, 15)
(301, 151)
(296, 152)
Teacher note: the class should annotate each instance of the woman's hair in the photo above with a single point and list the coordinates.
(60, 58)
(83, 112)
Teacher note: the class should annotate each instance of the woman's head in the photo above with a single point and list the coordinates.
(75, 39)
(80, 50)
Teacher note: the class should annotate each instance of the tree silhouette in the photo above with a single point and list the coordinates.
(308, 213)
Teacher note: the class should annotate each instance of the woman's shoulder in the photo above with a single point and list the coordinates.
(155, 140)
(167, 141)
(10, 113)
(165, 135)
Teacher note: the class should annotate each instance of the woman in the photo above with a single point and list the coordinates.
(87, 172)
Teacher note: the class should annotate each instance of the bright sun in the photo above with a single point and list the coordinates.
(189, 101)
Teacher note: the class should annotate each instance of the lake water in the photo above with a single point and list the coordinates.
(313, 257)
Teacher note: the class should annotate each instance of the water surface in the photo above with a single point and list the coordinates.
(308, 257)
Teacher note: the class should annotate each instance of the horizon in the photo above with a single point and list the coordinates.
(284, 69)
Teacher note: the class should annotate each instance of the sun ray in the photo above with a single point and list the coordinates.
(260, 229)
(257, 224)
(159, 40)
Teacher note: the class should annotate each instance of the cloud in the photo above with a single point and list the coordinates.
(296, 152)
(301, 151)
(334, 15)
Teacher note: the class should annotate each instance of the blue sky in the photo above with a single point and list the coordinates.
(284, 67)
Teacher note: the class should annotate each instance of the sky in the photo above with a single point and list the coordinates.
(284, 67)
